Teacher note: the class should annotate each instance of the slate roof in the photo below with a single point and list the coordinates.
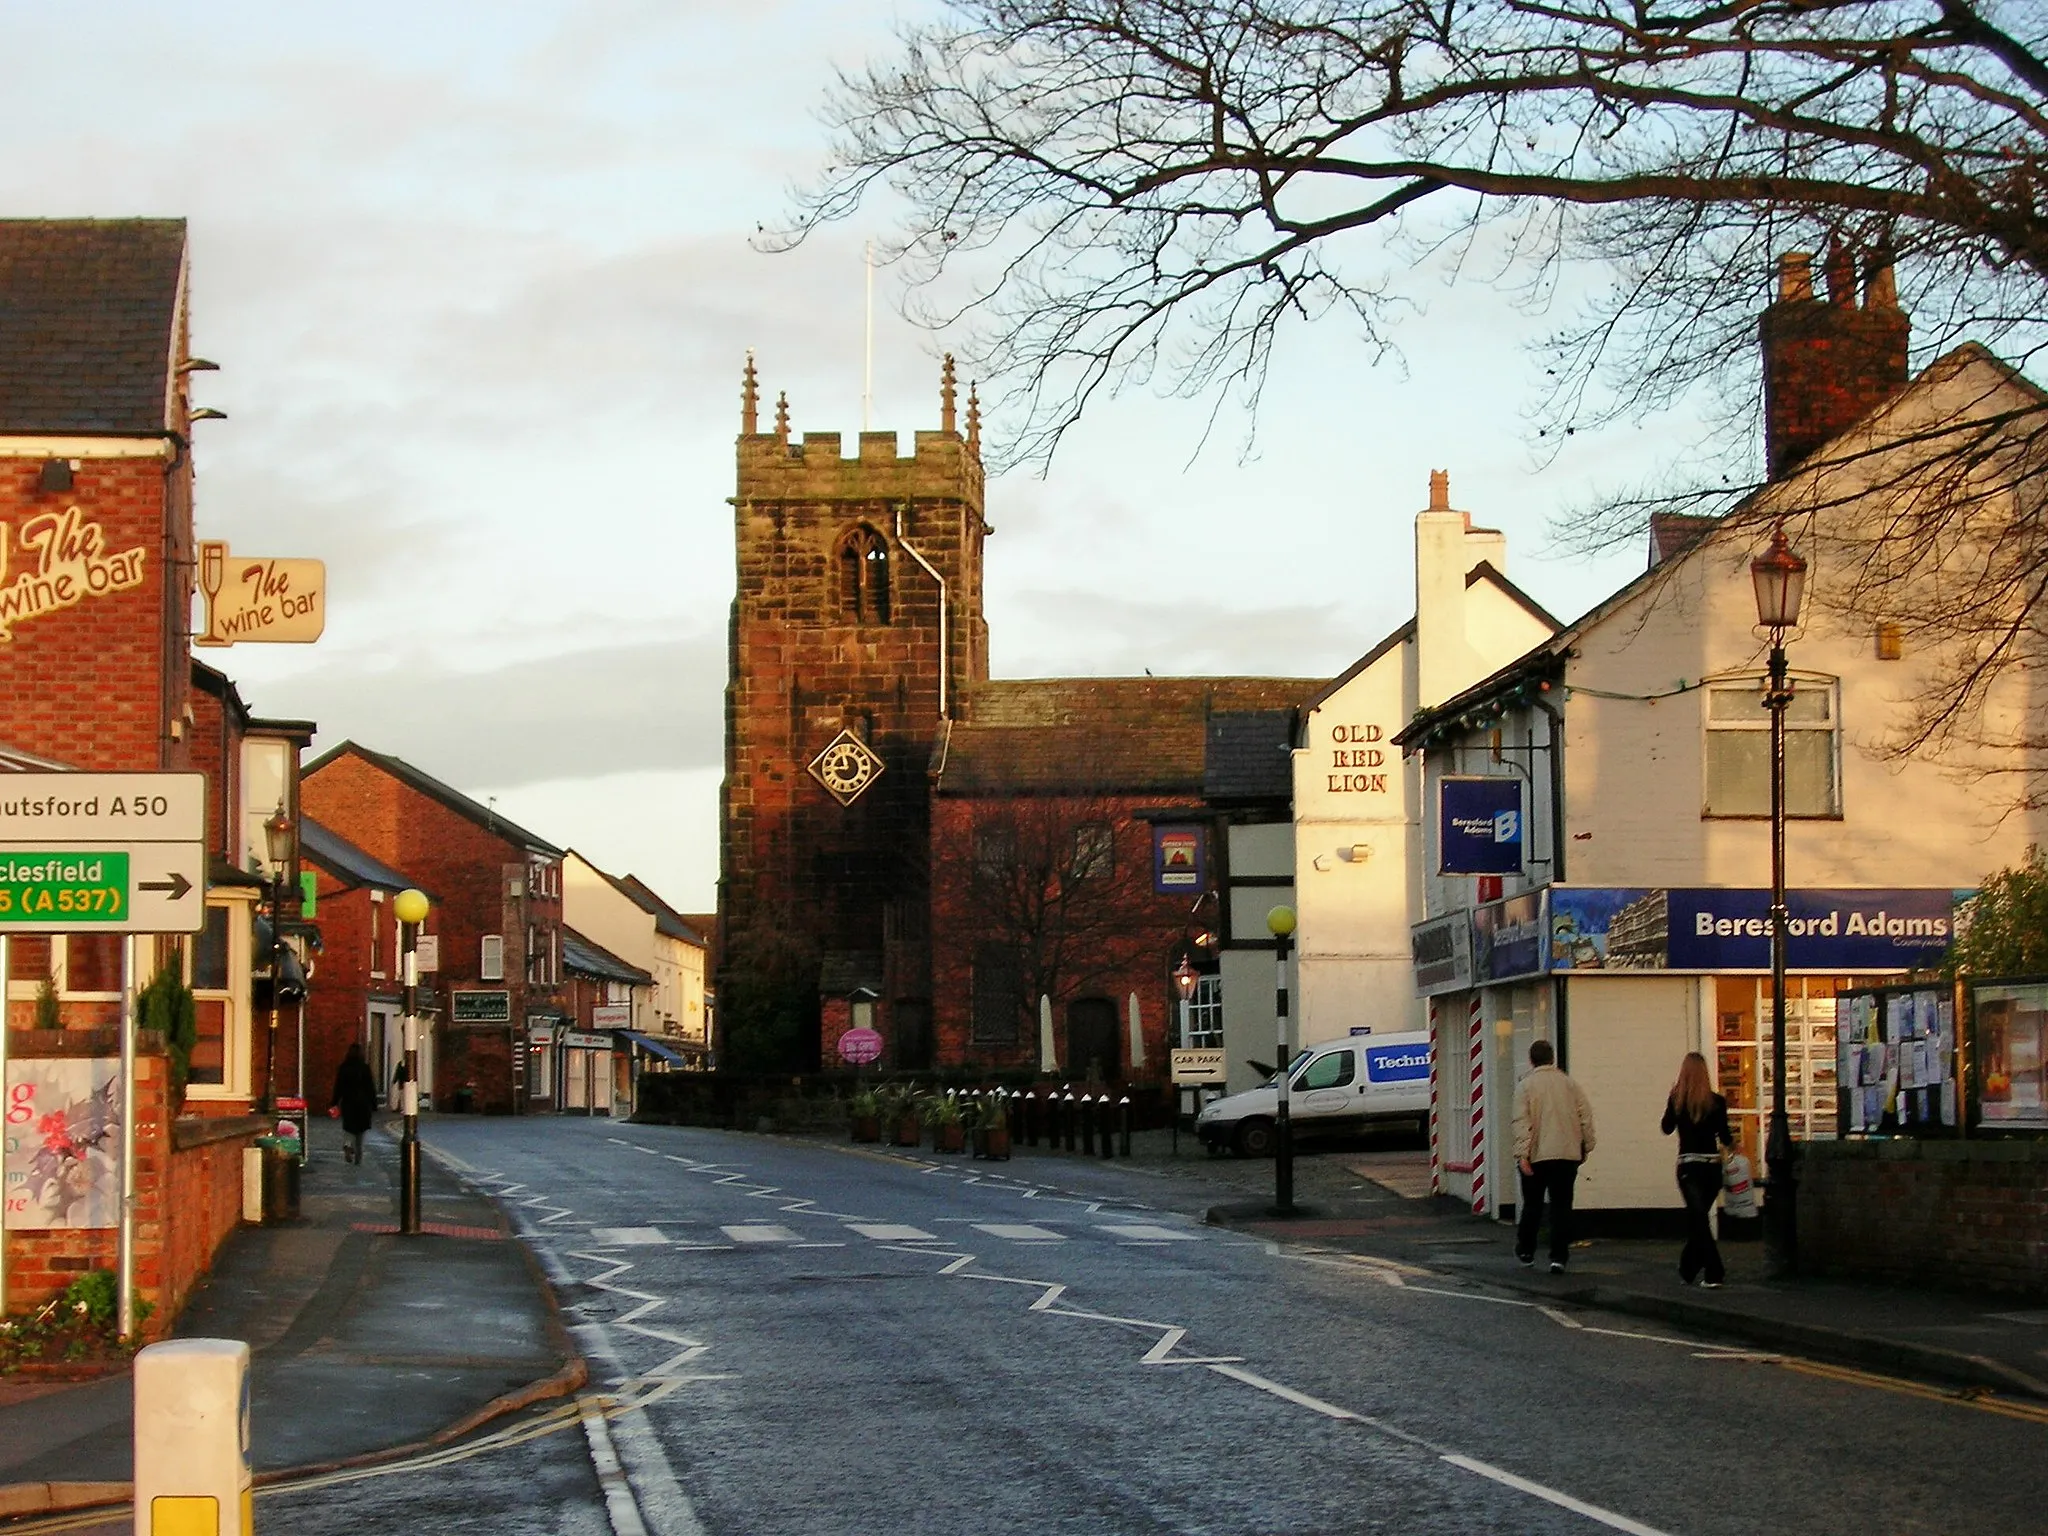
(434, 789)
(1111, 735)
(666, 918)
(592, 959)
(344, 860)
(1249, 756)
(89, 324)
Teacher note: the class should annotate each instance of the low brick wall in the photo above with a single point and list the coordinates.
(1953, 1215)
(188, 1188)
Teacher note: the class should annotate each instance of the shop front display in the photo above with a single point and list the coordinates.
(2009, 1049)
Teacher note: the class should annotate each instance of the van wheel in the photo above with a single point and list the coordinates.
(1255, 1138)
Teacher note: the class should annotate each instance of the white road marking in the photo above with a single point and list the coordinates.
(1594, 1512)
(627, 1237)
(888, 1232)
(1149, 1234)
(1017, 1233)
(619, 1507)
(759, 1234)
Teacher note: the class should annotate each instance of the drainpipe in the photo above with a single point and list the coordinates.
(945, 635)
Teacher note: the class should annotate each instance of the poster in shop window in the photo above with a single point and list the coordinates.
(63, 1143)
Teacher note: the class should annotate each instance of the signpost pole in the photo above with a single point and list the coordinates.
(124, 1279)
(6, 971)
(1280, 923)
(411, 907)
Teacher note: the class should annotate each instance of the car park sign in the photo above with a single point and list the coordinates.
(102, 852)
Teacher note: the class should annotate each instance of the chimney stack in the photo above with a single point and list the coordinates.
(1827, 363)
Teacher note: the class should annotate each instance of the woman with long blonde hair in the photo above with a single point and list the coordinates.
(1700, 1117)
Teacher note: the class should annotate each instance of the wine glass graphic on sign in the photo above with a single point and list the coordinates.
(213, 559)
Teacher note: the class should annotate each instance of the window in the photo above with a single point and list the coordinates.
(1205, 1014)
(491, 960)
(1739, 749)
(1094, 851)
(1334, 1070)
(376, 930)
(266, 767)
(212, 1002)
(995, 850)
(998, 988)
(864, 576)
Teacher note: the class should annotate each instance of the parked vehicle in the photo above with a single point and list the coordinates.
(1338, 1087)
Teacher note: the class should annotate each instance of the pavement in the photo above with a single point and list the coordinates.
(1371, 1197)
(363, 1343)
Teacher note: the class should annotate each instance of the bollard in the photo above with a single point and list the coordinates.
(1104, 1114)
(1087, 1125)
(1068, 1128)
(192, 1439)
(1028, 1112)
(1124, 1109)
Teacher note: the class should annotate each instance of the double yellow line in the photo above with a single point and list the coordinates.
(1959, 1397)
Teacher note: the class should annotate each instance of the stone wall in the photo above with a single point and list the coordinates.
(1968, 1215)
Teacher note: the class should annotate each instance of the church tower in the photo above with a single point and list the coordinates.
(856, 623)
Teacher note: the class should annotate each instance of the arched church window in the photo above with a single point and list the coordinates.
(864, 576)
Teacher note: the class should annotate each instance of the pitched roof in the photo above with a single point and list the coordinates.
(1107, 735)
(344, 860)
(666, 918)
(88, 324)
(454, 799)
(1249, 755)
(589, 958)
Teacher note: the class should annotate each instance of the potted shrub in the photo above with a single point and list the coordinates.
(949, 1126)
(898, 1107)
(992, 1127)
(864, 1110)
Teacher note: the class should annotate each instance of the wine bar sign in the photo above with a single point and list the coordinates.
(251, 598)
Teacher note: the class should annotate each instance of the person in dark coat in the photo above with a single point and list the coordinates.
(1700, 1117)
(355, 1100)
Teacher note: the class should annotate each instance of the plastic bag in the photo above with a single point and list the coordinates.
(1738, 1191)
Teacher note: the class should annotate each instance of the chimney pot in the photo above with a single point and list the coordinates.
(1439, 490)
(1795, 276)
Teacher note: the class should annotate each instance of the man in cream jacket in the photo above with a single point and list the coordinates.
(1553, 1135)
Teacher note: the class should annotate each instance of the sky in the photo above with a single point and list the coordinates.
(480, 279)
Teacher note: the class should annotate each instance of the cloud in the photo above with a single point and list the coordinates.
(579, 714)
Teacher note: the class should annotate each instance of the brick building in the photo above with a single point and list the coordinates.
(498, 893)
(880, 790)
(96, 674)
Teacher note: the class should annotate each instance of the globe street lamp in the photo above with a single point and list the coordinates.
(1280, 923)
(411, 907)
(1780, 580)
(277, 840)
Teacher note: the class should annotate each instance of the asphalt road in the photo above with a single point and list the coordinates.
(793, 1338)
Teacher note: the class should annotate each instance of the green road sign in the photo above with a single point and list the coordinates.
(64, 886)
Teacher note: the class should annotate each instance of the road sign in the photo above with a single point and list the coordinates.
(1192, 1067)
(859, 1046)
(103, 852)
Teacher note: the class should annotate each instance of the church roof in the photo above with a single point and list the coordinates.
(1106, 735)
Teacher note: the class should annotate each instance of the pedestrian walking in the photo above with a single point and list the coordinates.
(355, 1101)
(1700, 1117)
(1553, 1136)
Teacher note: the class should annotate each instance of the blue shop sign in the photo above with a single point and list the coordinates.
(1396, 1063)
(1479, 826)
(1508, 938)
(1729, 929)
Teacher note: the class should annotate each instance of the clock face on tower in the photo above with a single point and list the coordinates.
(846, 768)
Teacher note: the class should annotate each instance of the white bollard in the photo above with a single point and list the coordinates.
(192, 1439)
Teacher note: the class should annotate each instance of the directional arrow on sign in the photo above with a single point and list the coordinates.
(177, 885)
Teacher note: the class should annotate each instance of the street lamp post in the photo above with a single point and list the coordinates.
(277, 839)
(1280, 923)
(1779, 576)
(411, 907)
(1184, 980)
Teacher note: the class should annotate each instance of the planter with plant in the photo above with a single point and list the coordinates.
(864, 1113)
(992, 1126)
(941, 1111)
(898, 1105)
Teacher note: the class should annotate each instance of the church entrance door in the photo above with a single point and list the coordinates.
(1091, 1040)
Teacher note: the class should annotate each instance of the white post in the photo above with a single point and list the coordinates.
(192, 1438)
(125, 1270)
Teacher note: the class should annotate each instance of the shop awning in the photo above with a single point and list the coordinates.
(660, 1048)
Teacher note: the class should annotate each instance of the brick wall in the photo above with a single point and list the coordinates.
(1120, 939)
(96, 681)
(338, 1001)
(188, 1181)
(1965, 1215)
(471, 874)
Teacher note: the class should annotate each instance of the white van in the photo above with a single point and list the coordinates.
(1339, 1086)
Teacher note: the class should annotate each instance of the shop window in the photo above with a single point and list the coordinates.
(1739, 749)
(864, 576)
(92, 964)
(1094, 851)
(998, 988)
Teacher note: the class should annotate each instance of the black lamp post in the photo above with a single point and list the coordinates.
(1780, 579)
(277, 838)
(1184, 981)
(1280, 923)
